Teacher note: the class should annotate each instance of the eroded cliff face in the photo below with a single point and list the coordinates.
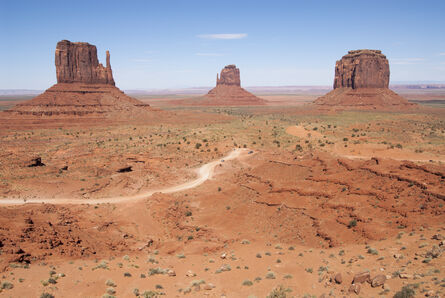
(361, 82)
(230, 76)
(362, 69)
(76, 62)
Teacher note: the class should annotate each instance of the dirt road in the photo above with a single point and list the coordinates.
(205, 172)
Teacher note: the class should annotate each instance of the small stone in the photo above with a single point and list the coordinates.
(378, 280)
(438, 237)
(361, 277)
(223, 255)
(397, 256)
(208, 287)
(430, 293)
(170, 272)
(405, 276)
(353, 260)
(338, 278)
(354, 288)
(190, 273)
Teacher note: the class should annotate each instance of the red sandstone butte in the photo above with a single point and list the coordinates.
(84, 88)
(361, 82)
(228, 90)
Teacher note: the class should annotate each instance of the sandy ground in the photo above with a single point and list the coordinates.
(322, 194)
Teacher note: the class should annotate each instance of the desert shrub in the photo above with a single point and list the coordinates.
(46, 295)
(352, 223)
(247, 283)
(270, 275)
(6, 285)
(405, 292)
(150, 294)
(372, 251)
(279, 292)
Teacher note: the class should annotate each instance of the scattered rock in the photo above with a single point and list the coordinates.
(378, 280)
(353, 260)
(430, 293)
(338, 278)
(209, 286)
(405, 276)
(361, 277)
(438, 237)
(354, 288)
(36, 162)
(171, 272)
(125, 170)
(435, 252)
(190, 273)
(223, 255)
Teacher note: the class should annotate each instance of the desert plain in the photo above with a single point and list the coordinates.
(311, 199)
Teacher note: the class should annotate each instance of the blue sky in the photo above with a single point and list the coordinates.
(184, 43)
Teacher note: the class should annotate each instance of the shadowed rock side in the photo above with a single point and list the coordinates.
(361, 82)
(84, 88)
(228, 90)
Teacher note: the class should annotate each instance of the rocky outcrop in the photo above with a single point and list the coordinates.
(362, 69)
(85, 88)
(76, 62)
(230, 76)
(228, 90)
(361, 82)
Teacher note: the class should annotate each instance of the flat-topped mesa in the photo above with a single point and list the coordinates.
(362, 69)
(230, 76)
(76, 62)
(361, 82)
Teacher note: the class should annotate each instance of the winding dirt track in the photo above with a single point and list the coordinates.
(205, 172)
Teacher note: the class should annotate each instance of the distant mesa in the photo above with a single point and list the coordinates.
(361, 82)
(228, 90)
(84, 87)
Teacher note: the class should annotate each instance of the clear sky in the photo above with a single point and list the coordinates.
(184, 43)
